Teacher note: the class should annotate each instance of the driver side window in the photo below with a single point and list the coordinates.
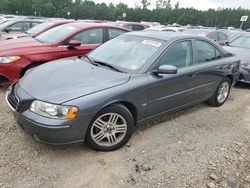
(91, 36)
(179, 55)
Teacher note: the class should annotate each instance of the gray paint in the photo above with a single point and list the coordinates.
(79, 83)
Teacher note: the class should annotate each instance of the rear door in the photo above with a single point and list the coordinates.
(89, 39)
(209, 69)
(112, 33)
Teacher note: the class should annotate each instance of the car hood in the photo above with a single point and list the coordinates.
(67, 79)
(9, 46)
(242, 53)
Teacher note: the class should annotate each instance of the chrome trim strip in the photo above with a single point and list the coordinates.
(6, 98)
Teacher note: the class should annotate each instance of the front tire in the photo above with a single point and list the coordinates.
(110, 129)
(221, 94)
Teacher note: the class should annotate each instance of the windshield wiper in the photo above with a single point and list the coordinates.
(97, 63)
(39, 40)
(90, 60)
(108, 65)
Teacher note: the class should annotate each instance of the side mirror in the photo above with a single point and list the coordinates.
(7, 30)
(166, 69)
(73, 44)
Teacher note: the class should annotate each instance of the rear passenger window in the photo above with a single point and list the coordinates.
(34, 24)
(92, 36)
(206, 52)
(129, 27)
(138, 28)
(179, 55)
(213, 36)
(115, 32)
(222, 36)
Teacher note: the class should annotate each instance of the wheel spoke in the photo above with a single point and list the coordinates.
(111, 138)
(113, 118)
(99, 136)
(120, 128)
(99, 124)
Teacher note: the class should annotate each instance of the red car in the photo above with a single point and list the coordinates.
(35, 31)
(74, 39)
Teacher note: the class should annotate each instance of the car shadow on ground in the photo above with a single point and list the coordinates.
(241, 85)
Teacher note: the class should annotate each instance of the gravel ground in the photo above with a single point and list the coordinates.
(199, 147)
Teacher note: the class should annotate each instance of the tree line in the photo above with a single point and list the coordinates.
(163, 12)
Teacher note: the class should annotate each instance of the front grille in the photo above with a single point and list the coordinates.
(12, 99)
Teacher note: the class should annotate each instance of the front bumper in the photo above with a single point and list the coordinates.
(61, 134)
(47, 130)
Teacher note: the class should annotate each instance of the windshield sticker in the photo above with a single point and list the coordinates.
(152, 43)
(134, 67)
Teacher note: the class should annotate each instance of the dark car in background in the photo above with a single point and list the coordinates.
(135, 26)
(241, 48)
(217, 36)
(13, 26)
(99, 98)
(34, 31)
(73, 39)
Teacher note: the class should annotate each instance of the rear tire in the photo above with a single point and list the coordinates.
(110, 129)
(221, 93)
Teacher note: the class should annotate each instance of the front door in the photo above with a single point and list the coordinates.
(89, 39)
(167, 91)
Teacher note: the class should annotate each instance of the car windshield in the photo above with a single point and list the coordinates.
(128, 52)
(242, 42)
(39, 28)
(56, 34)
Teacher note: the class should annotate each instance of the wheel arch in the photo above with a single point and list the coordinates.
(231, 78)
(129, 105)
(34, 64)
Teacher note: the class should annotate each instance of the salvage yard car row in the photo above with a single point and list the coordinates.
(99, 96)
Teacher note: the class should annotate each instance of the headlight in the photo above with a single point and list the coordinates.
(53, 111)
(9, 59)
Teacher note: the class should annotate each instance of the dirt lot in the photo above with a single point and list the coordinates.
(201, 146)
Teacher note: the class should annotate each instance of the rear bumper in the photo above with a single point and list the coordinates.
(244, 74)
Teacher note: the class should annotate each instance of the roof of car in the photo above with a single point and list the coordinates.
(83, 25)
(162, 35)
(204, 30)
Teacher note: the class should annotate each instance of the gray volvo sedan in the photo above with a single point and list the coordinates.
(99, 98)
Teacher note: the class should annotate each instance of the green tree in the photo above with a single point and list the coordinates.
(145, 4)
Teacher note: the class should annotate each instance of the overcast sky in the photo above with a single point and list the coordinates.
(198, 4)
